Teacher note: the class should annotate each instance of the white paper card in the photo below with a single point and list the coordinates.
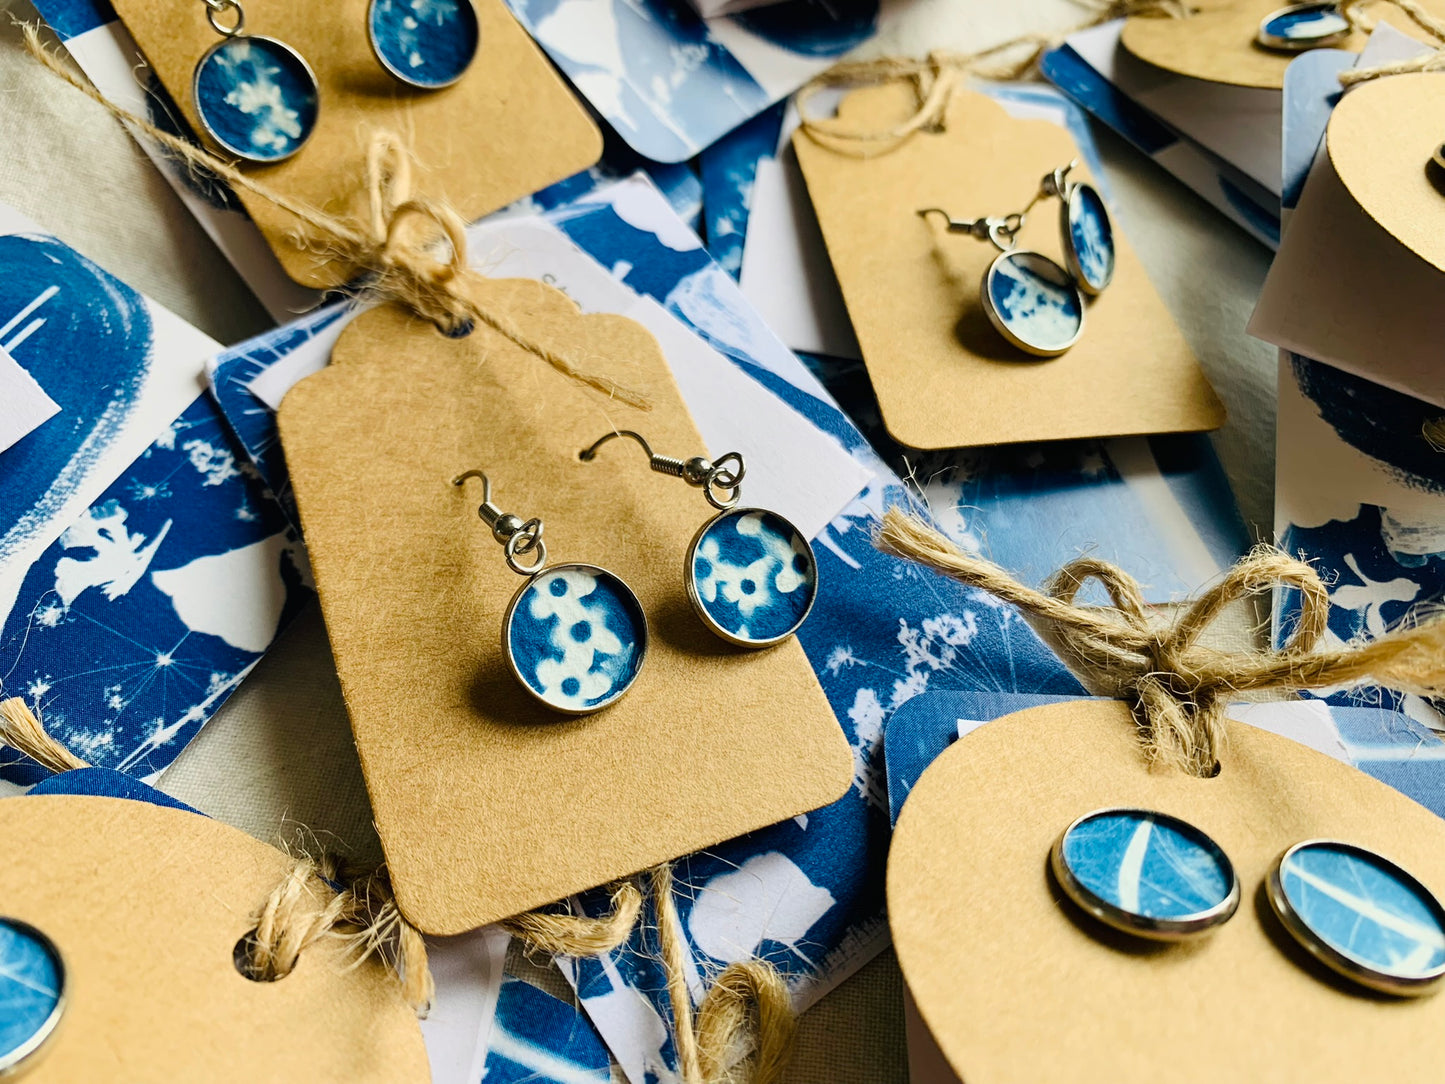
(24, 406)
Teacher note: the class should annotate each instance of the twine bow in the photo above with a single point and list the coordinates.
(1181, 687)
(389, 245)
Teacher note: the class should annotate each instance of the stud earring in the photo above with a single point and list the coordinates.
(1030, 300)
(574, 635)
(1146, 874)
(1085, 227)
(427, 44)
(749, 573)
(1300, 27)
(1360, 915)
(256, 96)
(32, 990)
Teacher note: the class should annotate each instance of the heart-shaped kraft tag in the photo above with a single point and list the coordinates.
(1016, 984)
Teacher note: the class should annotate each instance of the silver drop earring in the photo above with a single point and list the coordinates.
(427, 44)
(1300, 27)
(1085, 228)
(255, 96)
(574, 635)
(750, 575)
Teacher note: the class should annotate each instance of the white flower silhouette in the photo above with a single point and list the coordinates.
(581, 634)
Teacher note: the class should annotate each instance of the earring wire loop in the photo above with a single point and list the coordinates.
(720, 482)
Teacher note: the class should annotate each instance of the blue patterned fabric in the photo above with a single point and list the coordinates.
(755, 575)
(30, 987)
(537, 1039)
(1148, 864)
(1363, 907)
(577, 637)
(105, 783)
(728, 169)
(1091, 235)
(1035, 299)
(1307, 23)
(257, 98)
(428, 43)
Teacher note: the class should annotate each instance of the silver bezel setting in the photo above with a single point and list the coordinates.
(1342, 963)
(20, 1059)
(216, 137)
(645, 639)
(1297, 45)
(697, 604)
(402, 77)
(1002, 328)
(1071, 254)
(1130, 922)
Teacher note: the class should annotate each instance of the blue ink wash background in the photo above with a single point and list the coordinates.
(127, 633)
(661, 77)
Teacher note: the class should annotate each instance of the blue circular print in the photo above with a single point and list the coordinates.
(257, 98)
(752, 576)
(1034, 303)
(1364, 908)
(1091, 239)
(576, 637)
(427, 43)
(1150, 868)
(32, 981)
(1304, 26)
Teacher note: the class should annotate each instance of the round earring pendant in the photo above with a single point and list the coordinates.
(256, 97)
(1088, 239)
(428, 44)
(1146, 874)
(1033, 303)
(32, 993)
(751, 577)
(1300, 27)
(575, 636)
(1361, 915)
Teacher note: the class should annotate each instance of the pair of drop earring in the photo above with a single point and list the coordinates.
(258, 97)
(1035, 304)
(575, 635)
(1158, 877)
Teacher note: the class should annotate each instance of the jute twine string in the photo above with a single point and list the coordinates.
(1180, 687)
(747, 1011)
(936, 77)
(388, 244)
(1355, 12)
(1434, 433)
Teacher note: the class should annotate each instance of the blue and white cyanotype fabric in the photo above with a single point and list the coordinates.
(1359, 493)
(729, 168)
(670, 82)
(105, 51)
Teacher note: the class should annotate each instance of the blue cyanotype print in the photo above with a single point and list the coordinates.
(1091, 236)
(257, 98)
(59, 313)
(1035, 302)
(577, 637)
(427, 43)
(1148, 865)
(754, 575)
(538, 1039)
(1305, 24)
(1365, 908)
(30, 990)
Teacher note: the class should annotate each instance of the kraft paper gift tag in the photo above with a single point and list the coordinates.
(509, 127)
(1217, 41)
(1014, 985)
(146, 906)
(1359, 282)
(487, 803)
(943, 375)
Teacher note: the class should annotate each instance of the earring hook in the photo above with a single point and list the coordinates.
(519, 538)
(1001, 230)
(714, 479)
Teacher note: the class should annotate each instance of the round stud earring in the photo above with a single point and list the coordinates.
(32, 993)
(749, 573)
(1360, 915)
(256, 96)
(574, 635)
(1146, 874)
(1030, 300)
(427, 44)
(1085, 227)
(1300, 27)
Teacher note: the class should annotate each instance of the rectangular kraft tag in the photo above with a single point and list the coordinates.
(943, 375)
(509, 127)
(487, 803)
